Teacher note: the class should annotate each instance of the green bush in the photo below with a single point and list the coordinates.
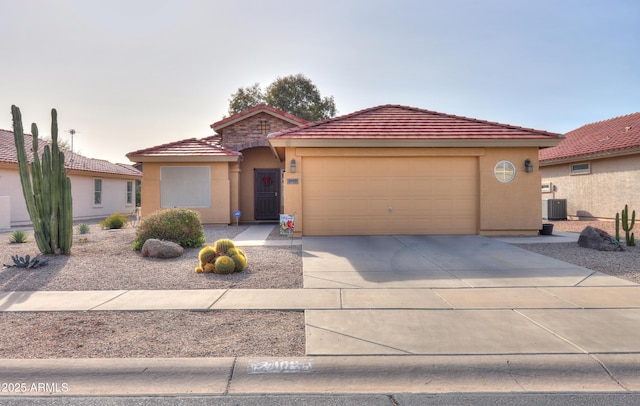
(83, 228)
(115, 221)
(181, 226)
(18, 237)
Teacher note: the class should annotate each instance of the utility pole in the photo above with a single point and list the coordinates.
(72, 131)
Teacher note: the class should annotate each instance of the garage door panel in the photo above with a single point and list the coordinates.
(367, 188)
(427, 195)
(400, 187)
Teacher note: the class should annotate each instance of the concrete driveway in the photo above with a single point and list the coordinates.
(462, 295)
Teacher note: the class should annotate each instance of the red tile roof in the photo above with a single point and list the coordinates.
(402, 122)
(192, 147)
(615, 136)
(73, 161)
(260, 108)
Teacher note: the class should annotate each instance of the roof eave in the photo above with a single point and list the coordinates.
(412, 143)
(587, 157)
(81, 172)
(185, 158)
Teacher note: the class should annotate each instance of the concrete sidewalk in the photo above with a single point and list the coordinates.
(387, 314)
(258, 234)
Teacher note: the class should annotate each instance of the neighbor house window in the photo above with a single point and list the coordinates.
(578, 169)
(185, 186)
(129, 192)
(97, 192)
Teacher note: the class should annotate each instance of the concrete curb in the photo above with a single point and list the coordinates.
(322, 375)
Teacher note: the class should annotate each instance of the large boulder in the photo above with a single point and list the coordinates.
(161, 249)
(598, 239)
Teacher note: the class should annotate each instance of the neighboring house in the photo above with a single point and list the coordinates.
(99, 188)
(596, 168)
(218, 175)
(384, 170)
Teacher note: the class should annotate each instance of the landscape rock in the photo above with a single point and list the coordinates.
(155, 248)
(598, 239)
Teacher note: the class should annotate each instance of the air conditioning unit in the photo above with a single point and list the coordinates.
(554, 209)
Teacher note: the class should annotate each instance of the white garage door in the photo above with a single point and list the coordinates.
(390, 195)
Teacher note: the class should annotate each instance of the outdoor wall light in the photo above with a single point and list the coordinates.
(292, 165)
(528, 166)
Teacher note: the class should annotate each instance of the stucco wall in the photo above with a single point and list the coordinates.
(504, 208)
(513, 207)
(219, 211)
(612, 183)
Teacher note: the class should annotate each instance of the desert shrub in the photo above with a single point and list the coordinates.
(83, 228)
(115, 221)
(181, 226)
(18, 237)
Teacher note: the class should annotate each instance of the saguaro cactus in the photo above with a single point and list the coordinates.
(628, 226)
(47, 192)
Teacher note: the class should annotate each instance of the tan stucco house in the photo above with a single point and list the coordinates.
(596, 168)
(384, 170)
(99, 188)
(234, 170)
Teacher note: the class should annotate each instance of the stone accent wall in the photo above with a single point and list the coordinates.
(252, 131)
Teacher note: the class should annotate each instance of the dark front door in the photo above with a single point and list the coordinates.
(266, 183)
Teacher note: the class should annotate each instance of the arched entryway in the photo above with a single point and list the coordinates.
(260, 197)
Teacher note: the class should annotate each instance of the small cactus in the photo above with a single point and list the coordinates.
(223, 245)
(199, 269)
(239, 258)
(628, 226)
(27, 262)
(207, 255)
(209, 268)
(224, 265)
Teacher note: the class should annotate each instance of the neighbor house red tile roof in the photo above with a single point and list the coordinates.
(73, 161)
(260, 108)
(612, 137)
(402, 122)
(205, 148)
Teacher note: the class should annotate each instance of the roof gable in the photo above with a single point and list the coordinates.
(208, 148)
(73, 161)
(612, 137)
(402, 122)
(261, 108)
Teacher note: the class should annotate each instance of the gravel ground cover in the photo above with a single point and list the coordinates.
(624, 264)
(106, 261)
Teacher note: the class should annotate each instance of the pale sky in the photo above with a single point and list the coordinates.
(129, 74)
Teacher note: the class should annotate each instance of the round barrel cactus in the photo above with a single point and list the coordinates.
(239, 258)
(223, 245)
(207, 255)
(225, 265)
